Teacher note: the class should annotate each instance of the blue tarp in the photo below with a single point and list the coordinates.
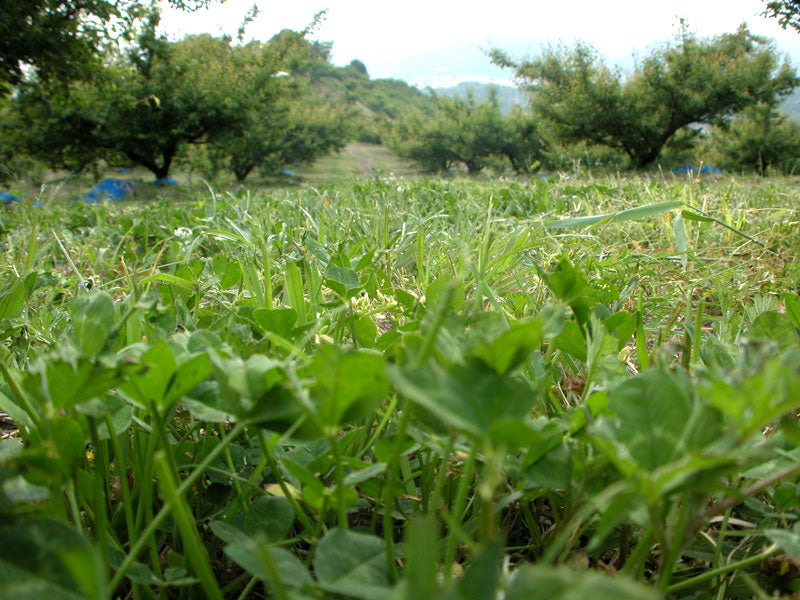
(6, 198)
(705, 170)
(113, 189)
(287, 171)
(165, 181)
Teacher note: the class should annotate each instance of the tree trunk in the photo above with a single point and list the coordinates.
(159, 171)
(242, 172)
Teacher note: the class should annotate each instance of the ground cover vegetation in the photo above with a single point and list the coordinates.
(404, 389)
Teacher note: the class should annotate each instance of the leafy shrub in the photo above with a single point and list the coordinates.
(759, 139)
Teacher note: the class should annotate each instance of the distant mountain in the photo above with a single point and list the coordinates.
(791, 105)
(509, 96)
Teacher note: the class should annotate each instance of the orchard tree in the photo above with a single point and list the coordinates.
(475, 134)
(758, 139)
(293, 129)
(693, 81)
(281, 122)
(60, 38)
(461, 130)
(143, 106)
(523, 142)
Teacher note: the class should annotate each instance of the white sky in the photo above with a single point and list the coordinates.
(439, 42)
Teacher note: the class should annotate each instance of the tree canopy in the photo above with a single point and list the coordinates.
(786, 11)
(140, 108)
(145, 105)
(692, 81)
(60, 37)
(475, 134)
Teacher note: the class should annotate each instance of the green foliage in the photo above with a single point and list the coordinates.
(786, 11)
(464, 131)
(140, 109)
(693, 81)
(62, 38)
(418, 390)
(759, 139)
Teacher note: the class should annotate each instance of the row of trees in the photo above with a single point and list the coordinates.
(129, 97)
(715, 97)
(148, 101)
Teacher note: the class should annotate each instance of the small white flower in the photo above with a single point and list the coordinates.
(183, 233)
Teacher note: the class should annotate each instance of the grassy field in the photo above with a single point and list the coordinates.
(353, 161)
(393, 388)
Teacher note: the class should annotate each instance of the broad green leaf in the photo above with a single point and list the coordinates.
(141, 573)
(14, 294)
(15, 411)
(563, 583)
(253, 557)
(774, 326)
(229, 533)
(657, 418)
(366, 331)
(53, 451)
(150, 387)
(47, 559)
(792, 304)
(469, 398)
(165, 381)
(552, 471)
(622, 324)
(348, 384)
(228, 272)
(552, 319)
(270, 515)
(93, 317)
(313, 491)
(755, 399)
(205, 412)
(512, 434)
(352, 564)
(512, 348)
(341, 279)
(572, 341)
(276, 320)
(570, 286)
(365, 474)
(187, 375)
(66, 380)
(444, 287)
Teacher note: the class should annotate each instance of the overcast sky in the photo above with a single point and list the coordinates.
(440, 42)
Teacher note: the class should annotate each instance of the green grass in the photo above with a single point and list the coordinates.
(354, 161)
(390, 388)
